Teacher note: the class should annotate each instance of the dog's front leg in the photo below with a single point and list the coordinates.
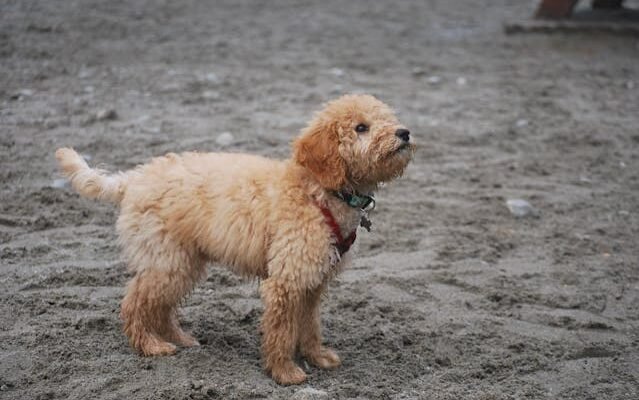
(280, 329)
(310, 333)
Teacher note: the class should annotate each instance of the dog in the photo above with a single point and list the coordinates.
(289, 223)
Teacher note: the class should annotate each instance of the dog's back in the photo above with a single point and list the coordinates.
(219, 202)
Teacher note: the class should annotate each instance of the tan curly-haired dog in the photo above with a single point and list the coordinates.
(287, 222)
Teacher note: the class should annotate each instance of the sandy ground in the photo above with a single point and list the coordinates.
(450, 296)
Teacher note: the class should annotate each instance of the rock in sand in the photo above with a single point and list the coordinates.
(106, 114)
(521, 208)
(225, 139)
(59, 183)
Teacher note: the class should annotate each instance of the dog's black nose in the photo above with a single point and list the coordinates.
(403, 134)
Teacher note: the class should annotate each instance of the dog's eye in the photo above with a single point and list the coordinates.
(361, 128)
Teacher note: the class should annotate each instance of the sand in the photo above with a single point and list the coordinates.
(449, 297)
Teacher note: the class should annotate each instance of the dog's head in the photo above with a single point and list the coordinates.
(355, 141)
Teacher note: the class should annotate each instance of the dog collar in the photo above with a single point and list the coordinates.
(355, 200)
(342, 244)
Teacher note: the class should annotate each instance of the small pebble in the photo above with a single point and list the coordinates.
(337, 71)
(418, 71)
(142, 119)
(310, 394)
(106, 114)
(26, 93)
(630, 85)
(197, 385)
(461, 81)
(225, 139)
(21, 94)
(84, 73)
(521, 208)
(521, 123)
(59, 183)
(434, 79)
(211, 77)
(4, 388)
(210, 95)
(584, 179)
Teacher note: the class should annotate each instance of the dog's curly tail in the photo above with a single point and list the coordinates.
(89, 182)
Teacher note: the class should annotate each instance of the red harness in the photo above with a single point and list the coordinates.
(343, 244)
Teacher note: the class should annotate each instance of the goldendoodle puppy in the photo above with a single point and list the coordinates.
(287, 222)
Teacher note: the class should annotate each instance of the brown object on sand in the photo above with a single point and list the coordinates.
(275, 220)
(556, 16)
(555, 9)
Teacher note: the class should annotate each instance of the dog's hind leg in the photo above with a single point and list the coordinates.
(149, 308)
(142, 312)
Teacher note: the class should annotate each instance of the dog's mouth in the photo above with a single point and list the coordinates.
(402, 148)
(400, 151)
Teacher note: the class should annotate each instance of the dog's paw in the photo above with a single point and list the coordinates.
(324, 358)
(288, 374)
(153, 346)
(186, 340)
(189, 342)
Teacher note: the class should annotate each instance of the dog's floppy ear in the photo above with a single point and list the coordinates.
(317, 149)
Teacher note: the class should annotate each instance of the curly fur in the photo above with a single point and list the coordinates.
(258, 216)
